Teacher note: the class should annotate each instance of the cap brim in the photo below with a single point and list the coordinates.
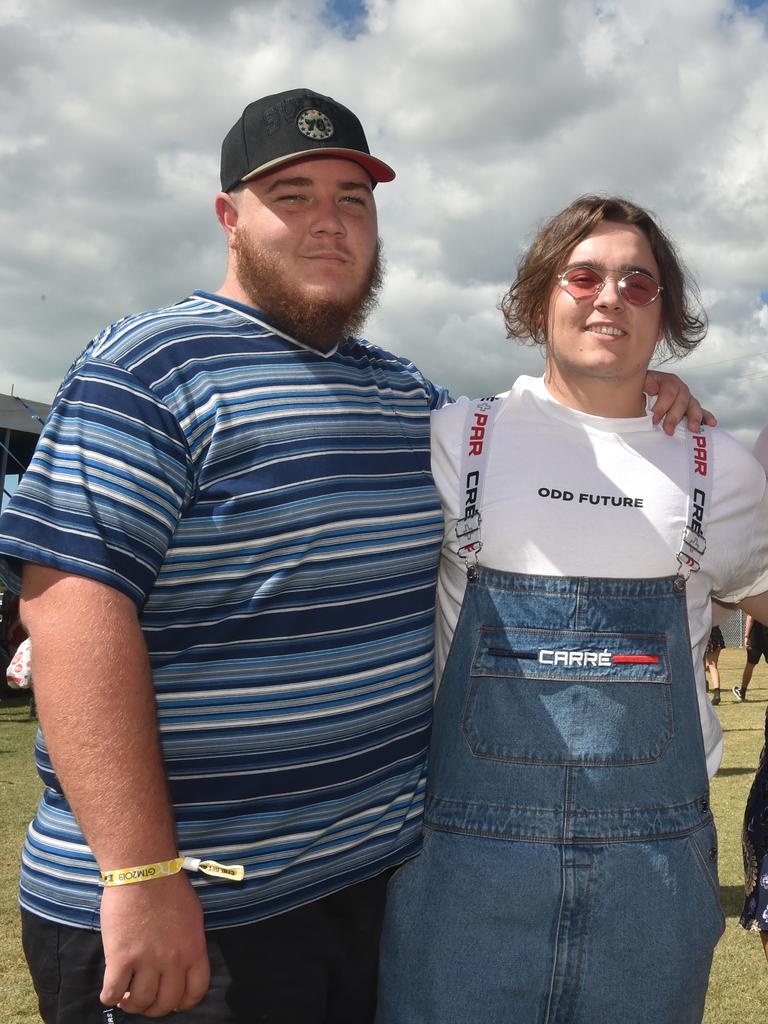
(377, 169)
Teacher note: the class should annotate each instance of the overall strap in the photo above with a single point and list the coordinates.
(475, 446)
(700, 458)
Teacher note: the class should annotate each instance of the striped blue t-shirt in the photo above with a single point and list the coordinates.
(271, 511)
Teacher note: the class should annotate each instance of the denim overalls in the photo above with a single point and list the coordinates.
(569, 865)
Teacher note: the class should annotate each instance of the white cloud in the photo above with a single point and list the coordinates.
(494, 115)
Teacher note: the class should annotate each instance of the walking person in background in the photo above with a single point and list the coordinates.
(756, 643)
(715, 644)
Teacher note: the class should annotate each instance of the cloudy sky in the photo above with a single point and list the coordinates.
(495, 114)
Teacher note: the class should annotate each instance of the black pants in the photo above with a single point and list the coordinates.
(313, 965)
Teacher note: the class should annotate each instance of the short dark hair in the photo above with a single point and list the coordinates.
(525, 306)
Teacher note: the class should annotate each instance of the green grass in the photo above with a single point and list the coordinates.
(19, 791)
(739, 980)
(738, 987)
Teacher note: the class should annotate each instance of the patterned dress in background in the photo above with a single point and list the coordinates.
(716, 641)
(755, 847)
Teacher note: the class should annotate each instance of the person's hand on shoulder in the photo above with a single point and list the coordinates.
(675, 402)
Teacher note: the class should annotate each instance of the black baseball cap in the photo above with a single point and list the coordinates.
(290, 126)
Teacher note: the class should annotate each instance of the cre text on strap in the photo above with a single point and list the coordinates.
(476, 443)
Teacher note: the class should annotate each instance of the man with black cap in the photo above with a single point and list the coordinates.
(230, 530)
(229, 538)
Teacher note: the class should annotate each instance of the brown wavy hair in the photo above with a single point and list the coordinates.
(525, 306)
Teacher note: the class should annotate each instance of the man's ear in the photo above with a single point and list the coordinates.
(226, 211)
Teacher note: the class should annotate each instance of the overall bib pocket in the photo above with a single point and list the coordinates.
(569, 697)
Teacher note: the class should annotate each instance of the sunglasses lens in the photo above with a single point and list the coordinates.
(581, 282)
(639, 289)
(584, 283)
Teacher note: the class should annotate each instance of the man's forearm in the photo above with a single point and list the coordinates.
(96, 705)
(748, 628)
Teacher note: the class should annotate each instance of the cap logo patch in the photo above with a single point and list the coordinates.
(314, 124)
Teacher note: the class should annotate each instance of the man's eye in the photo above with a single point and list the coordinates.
(290, 197)
(353, 199)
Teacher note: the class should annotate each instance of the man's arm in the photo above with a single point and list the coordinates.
(96, 706)
(747, 630)
(675, 401)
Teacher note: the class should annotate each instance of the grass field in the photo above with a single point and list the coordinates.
(738, 992)
(19, 789)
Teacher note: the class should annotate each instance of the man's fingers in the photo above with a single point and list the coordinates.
(709, 418)
(117, 982)
(697, 415)
(142, 993)
(198, 981)
(168, 996)
(174, 992)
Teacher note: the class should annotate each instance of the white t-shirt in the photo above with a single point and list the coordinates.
(569, 494)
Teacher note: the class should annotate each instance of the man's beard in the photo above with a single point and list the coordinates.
(321, 322)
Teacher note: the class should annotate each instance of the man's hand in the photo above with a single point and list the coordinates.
(675, 401)
(154, 946)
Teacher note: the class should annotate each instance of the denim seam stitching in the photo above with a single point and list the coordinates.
(558, 841)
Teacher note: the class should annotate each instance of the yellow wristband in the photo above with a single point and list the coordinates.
(166, 868)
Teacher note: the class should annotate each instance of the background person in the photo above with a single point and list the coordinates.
(756, 643)
(567, 817)
(15, 672)
(715, 644)
(754, 914)
(754, 836)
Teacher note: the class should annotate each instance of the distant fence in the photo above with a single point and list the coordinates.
(733, 629)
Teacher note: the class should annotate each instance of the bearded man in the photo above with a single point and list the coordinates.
(229, 537)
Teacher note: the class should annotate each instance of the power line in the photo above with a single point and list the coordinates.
(731, 359)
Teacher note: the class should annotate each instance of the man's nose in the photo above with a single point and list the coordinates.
(327, 218)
